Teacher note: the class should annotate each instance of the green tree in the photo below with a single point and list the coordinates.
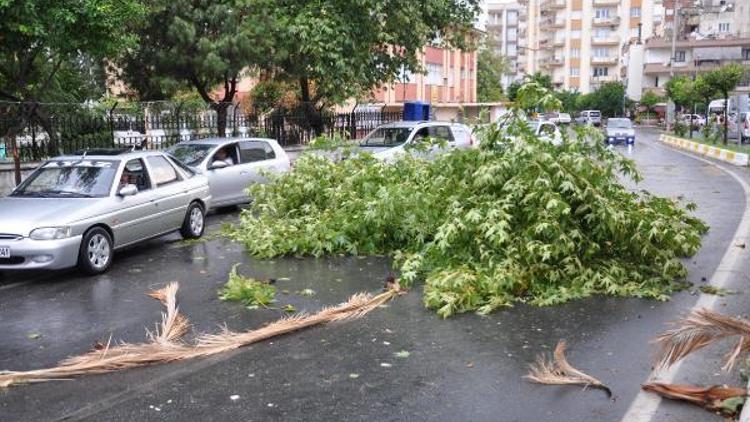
(649, 99)
(723, 81)
(543, 80)
(513, 90)
(569, 99)
(610, 98)
(45, 45)
(335, 50)
(490, 69)
(204, 45)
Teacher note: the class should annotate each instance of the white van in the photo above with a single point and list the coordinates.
(590, 117)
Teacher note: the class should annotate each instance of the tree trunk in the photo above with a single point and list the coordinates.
(221, 118)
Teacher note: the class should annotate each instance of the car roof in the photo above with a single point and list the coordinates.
(415, 123)
(109, 154)
(221, 141)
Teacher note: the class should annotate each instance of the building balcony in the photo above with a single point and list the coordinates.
(610, 21)
(606, 2)
(558, 43)
(603, 79)
(611, 40)
(604, 60)
(556, 62)
(554, 4)
(557, 24)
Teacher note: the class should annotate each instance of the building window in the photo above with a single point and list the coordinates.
(575, 53)
(575, 34)
(601, 13)
(434, 74)
(679, 56)
(576, 14)
(635, 12)
(601, 52)
(724, 27)
(602, 33)
(574, 71)
(656, 81)
(746, 54)
(600, 71)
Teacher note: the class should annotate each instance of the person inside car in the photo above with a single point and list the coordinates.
(223, 155)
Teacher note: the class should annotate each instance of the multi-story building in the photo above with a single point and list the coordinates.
(503, 22)
(451, 78)
(710, 34)
(580, 43)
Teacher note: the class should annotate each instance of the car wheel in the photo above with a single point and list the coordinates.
(195, 222)
(95, 254)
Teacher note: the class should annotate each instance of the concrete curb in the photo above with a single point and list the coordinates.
(721, 154)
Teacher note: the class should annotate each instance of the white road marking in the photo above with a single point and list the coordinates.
(644, 406)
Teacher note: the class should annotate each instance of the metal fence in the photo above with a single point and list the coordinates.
(59, 130)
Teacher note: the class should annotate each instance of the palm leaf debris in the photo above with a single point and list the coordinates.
(166, 344)
(557, 371)
(700, 329)
(716, 398)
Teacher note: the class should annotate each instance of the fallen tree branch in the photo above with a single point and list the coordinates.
(557, 371)
(700, 329)
(166, 346)
(714, 398)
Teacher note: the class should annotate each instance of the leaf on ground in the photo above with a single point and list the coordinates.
(307, 292)
(402, 354)
(290, 308)
(33, 336)
(713, 290)
(353, 376)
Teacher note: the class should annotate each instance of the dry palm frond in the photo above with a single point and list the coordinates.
(711, 398)
(700, 329)
(558, 371)
(164, 346)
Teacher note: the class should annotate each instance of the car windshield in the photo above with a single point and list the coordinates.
(594, 113)
(620, 123)
(190, 154)
(70, 179)
(386, 137)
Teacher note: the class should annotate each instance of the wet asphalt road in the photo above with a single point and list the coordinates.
(464, 368)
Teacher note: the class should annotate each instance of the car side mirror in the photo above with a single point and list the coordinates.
(127, 190)
(218, 164)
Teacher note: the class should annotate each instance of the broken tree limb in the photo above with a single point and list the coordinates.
(557, 371)
(166, 345)
(714, 398)
(698, 330)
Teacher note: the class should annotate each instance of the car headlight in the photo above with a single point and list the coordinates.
(50, 233)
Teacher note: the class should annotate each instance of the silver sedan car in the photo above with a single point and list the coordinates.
(232, 164)
(77, 210)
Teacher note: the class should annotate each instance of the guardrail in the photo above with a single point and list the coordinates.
(721, 154)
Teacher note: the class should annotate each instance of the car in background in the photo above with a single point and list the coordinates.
(232, 164)
(392, 139)
(77, 210)
(559, 118)
(698, 120)
(589, 117)
(547, 131)
(619, 130)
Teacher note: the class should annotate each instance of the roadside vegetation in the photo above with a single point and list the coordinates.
(515, 220)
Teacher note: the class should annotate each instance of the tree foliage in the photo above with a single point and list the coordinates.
(515, 220)
(723, 81)
(46, 45)
(568, 99)
(490, 69)
(204, 45)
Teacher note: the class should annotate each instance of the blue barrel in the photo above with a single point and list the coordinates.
(416, 111)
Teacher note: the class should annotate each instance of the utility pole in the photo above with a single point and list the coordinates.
(675, 28)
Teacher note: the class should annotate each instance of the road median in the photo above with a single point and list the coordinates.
(721, 154)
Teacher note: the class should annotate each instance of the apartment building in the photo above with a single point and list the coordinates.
(710, 34)
(451, 78)
(580, 43)
(503, 22)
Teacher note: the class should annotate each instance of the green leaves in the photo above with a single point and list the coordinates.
(250, 292)
(516, 220)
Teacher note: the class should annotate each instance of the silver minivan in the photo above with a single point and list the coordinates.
(77, 210)
(590, 117)
(232, 164)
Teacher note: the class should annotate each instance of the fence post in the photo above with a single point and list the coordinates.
(111, 122)
(353, 125)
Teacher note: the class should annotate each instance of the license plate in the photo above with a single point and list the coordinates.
(4, 252)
